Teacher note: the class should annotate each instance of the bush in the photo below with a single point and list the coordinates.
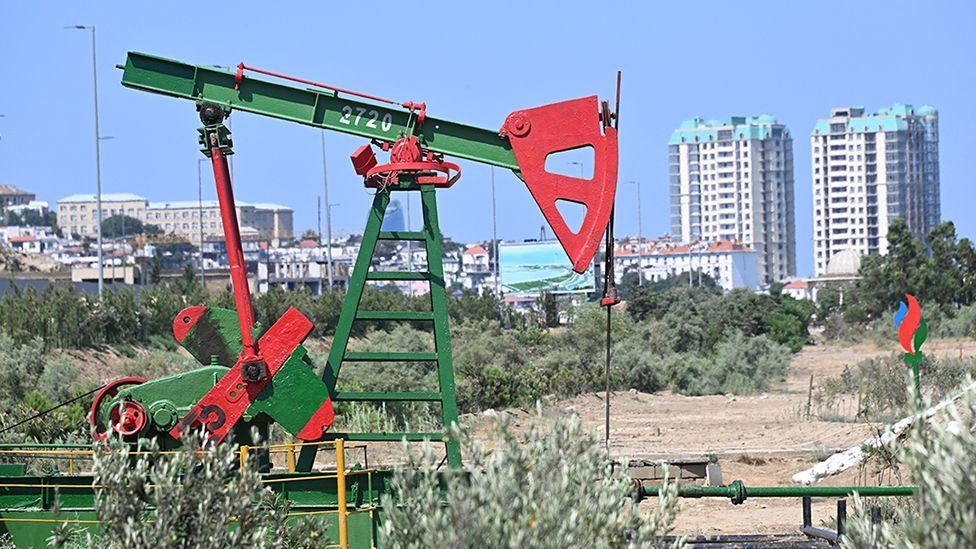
(494, 367)
(551, 487)
(58, 378)
(880, 383)
(963, 324)
(193, 499)
(941, 458)
(20, 366)
(746, 364)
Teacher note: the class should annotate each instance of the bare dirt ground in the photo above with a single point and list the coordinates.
(761, 440)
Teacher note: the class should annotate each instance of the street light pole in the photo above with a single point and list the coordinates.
(98, 163)
(640, 238)
(328, 215)
(494, 232)
(203, 276)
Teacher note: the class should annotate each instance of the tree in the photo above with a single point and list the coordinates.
(550, 487)
(121, 226)
(941, 274)
(550, 309)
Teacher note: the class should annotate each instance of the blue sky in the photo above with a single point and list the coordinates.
(474, 64)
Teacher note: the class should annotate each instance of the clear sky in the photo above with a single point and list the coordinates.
(474, 65)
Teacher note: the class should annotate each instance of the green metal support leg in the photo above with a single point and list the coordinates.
(339, 353)
(442, 331)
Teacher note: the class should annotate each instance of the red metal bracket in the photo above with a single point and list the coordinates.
(222, 407)
(386, 174)
(535, 134)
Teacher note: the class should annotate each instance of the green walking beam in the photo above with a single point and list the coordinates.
(317, 108)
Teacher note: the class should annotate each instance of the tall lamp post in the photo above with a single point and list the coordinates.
(200, 161)
(640, 236)
(328, 228)
(328, 215)
(98, 162)
(494, 233)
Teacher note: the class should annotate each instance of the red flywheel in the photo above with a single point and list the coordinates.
(125, 418)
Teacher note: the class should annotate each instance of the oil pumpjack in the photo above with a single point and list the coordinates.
(251, 376)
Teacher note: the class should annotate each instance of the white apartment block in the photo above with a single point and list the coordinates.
(77, 215)
(730, 264)
(272, 222)
(732, 180)
(869, 170)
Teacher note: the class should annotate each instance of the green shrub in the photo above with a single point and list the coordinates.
(188, 499)
(941, 457)
(746, 364)
(962, 324)
(879, 385)
(21, 364)
(550, 487)
(58, 379)
(785, 329)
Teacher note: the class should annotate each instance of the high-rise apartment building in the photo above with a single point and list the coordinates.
(732, 180)
(869, 170)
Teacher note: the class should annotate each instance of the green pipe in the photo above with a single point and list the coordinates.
(737, 492)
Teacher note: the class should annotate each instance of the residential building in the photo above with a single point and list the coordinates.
(732, 180)
(14, 196)
(799, 289)
(475, 259)
(76, 214)
(869, 169)
(272, 221)
(39, 206)
(730, 264)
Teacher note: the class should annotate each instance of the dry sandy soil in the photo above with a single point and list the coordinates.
(761, 440)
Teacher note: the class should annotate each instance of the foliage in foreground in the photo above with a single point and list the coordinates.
(198, 500)
(550, 487)
(879, 385)
(941, 458)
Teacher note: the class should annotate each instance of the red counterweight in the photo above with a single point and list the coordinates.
(539, 132)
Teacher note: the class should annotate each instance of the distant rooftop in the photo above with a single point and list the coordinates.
(887, 119)
(165, 204)
(268, 206)
(665, 246)
(106, 197)
(743, 127)
(8, 190)
(179, 204)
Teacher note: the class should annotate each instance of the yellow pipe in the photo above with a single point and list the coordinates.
(291, 457)
(244, 450)
(341, 489)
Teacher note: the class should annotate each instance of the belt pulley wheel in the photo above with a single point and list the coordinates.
(125, 418)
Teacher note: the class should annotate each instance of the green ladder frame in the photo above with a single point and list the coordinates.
(339, 353)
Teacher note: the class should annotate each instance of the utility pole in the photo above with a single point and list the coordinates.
(640, 238)
(494, 233)
(318, 218)
(203, 276)
(328, 215)
(98, 164)
(410, 247)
